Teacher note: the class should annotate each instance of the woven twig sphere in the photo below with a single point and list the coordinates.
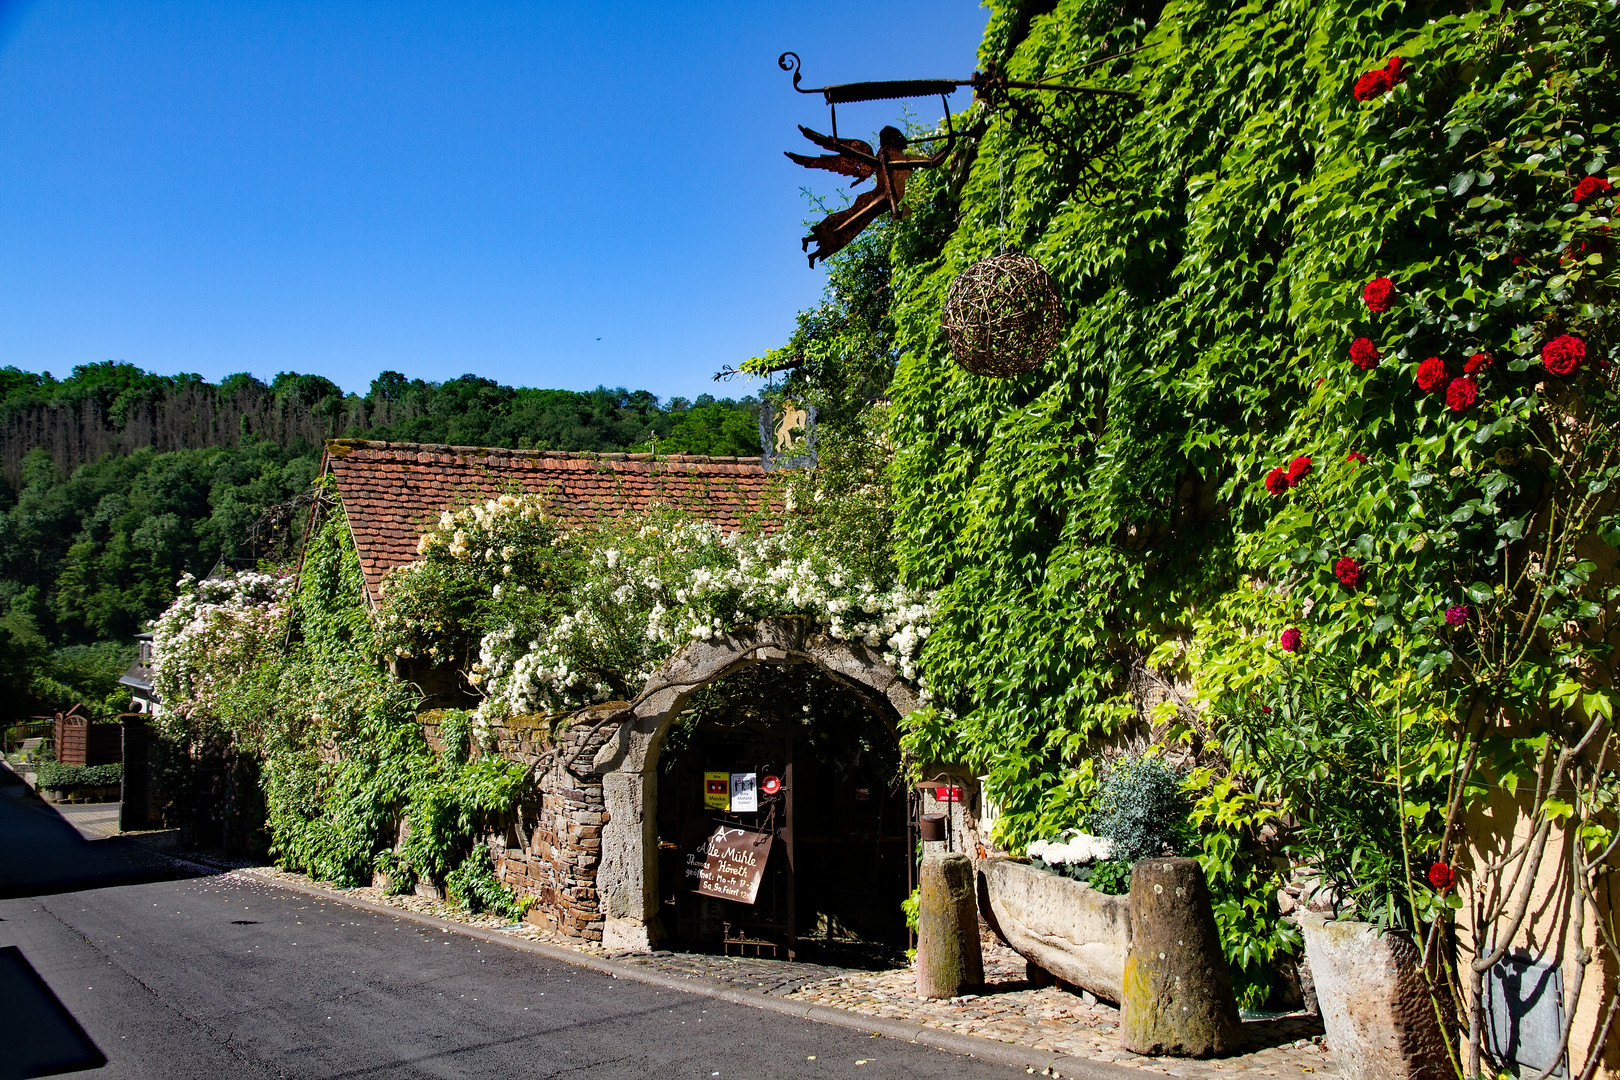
(1002, 316)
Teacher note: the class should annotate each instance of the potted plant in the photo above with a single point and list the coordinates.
(1346, 764)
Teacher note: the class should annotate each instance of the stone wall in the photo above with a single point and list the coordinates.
(551, 850)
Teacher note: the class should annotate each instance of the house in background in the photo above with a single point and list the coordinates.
(138, 678)
(393, 493)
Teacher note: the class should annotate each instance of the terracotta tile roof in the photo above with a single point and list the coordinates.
(393, 492)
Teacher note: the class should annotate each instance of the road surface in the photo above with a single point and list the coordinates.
(120, 963)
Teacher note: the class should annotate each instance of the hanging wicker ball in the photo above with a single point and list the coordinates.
(1002, 316)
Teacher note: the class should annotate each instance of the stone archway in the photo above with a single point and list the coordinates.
(623, 753)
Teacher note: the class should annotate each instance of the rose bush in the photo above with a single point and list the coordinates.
(215, 632)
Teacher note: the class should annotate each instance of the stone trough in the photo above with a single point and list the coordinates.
(1061, 925)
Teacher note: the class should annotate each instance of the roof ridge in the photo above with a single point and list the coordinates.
(346, 446)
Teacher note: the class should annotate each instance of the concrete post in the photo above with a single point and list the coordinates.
(1178, 991)
(949, 961)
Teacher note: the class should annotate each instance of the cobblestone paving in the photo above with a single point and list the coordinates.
(1009, 1010)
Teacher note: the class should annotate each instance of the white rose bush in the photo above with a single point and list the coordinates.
(649, 588)
(214, 633)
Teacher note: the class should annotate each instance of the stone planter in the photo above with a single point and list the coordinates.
(1062, 925)
(1376, 1008)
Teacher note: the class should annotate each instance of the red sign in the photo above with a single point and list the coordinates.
(948, 794)
(770, 785)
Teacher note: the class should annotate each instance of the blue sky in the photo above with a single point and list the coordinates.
(346, 187)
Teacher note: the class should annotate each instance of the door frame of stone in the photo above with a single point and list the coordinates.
(626, 759)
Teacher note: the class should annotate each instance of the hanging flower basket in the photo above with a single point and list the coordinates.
(1002, 316)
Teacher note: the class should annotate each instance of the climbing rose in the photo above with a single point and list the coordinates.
(1371, 84)
(1590, 186)
(1462, 393)
(1364, 354)
(1478, 363)
(1457, 615)
(1277, 481)
(1378, 294)
(1430, 374)
(1379, 81)
(1356, 457)
(1298, 469)
(1348, 571)
(1442, 877)
(1564, 354)
(1291, 639)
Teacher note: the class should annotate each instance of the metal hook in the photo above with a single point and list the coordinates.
(793, 66)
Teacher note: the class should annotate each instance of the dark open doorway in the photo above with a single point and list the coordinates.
(837, 870)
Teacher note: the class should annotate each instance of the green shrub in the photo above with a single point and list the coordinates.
(475, 887)
(1112, 877)
(1140, 808)
(58, 777)
(398, 870)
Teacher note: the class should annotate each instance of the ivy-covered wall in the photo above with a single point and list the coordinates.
(1328, 435)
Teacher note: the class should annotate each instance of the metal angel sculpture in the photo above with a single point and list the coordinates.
(891, 166)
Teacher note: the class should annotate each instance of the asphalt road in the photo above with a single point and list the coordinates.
(110, 952)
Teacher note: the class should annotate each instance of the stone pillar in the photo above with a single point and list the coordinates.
(1178, 991)
(948, 958)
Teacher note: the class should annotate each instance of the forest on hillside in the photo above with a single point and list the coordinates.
(114, 482)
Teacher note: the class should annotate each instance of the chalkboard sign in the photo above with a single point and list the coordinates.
(729, 864)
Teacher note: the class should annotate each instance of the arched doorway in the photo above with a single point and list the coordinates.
(803, 777)
(626, 753)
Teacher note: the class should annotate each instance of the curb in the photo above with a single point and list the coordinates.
(1031, 1060)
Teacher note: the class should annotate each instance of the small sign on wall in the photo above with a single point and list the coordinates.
(744, 793)
(953, 793)
(717, 790)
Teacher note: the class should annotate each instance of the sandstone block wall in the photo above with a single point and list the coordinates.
(551, 851)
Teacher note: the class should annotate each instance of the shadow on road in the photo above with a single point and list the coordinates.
(42, 1038)
(41, 853)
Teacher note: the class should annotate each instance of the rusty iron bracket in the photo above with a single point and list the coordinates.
(990, 86)
(845, 93)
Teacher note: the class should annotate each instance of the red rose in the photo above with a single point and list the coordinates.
(1291, 639)
(1478, 363)
(1431, 374)
(1372, 84)
(1378, 294)
(1380, 80)
(1356, 457)
(1590, 186)
(1564, 354)
(1462, 393)
(1364, 354)
(1348, 571)
(1277, 481)
(1298, 469)
(1442, 877)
